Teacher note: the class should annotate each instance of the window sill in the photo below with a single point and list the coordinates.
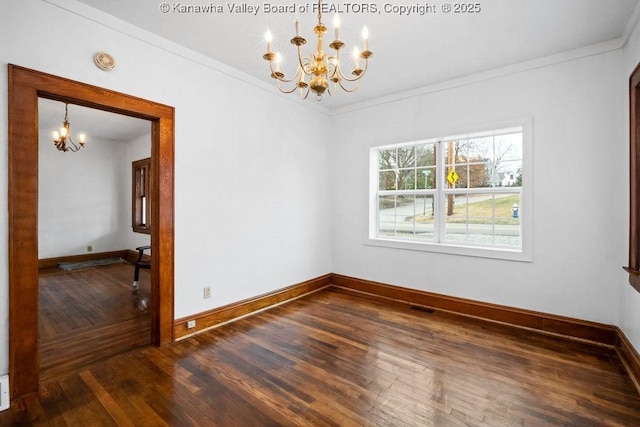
(634, 277)
(451, 249)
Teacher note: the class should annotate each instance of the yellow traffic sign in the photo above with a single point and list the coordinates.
(452, 177)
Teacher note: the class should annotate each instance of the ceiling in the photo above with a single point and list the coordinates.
(410, 51)
(94, 123)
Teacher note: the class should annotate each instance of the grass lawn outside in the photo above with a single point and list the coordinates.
(496, 210)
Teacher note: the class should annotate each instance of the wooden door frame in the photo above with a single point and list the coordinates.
(25, 87)
(633, 267)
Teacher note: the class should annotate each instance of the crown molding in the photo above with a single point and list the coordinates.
(520, 67)
(106, 20)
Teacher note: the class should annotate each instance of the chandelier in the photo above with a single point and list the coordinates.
(319, 67)
(60, 138)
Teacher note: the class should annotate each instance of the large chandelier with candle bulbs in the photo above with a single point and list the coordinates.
(319, 72)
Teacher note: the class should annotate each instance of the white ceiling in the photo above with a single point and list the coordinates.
(409, 51)
(93, 123)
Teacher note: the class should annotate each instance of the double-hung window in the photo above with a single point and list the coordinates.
(458, 194)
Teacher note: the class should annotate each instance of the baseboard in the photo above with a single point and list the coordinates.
(594, 332)
(132, 256)
(630, 357)
(565, 326)
(46, 263)
(218, 316)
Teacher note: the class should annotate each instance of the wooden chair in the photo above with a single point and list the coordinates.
(140, 263)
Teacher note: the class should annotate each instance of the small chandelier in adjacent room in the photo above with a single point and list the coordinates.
(320, 67)
(60, 138)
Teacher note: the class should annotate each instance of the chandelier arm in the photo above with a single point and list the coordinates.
(347, 89)
(306, 94)
(74, 145)
(286, 90)
(333, 63)
(274, 74)
(283, 80)
(301, 62)
(357, 78)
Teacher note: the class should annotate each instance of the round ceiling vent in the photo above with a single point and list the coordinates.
(104, 61)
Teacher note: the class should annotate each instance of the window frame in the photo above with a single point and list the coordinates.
(522, 253)
(140, 202)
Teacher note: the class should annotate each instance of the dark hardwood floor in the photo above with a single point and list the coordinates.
(89, 315)
(334, 358)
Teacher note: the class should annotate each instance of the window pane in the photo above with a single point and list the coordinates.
(387, 159)
(424, 218)
(406, 157)
(455, 176)
(405, 213)
(455, 152)
(387, 180)
(480, 175)
(386, 216)
(395, 216)
(406, 217)
(426, 178)
(480, 149)
(426, 155)
(510, 174)
(508, 147)
(484, 219)
(407, 179)
(456, 218)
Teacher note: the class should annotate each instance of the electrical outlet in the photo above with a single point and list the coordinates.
(89, 248)
(191, 324)
(207, 292)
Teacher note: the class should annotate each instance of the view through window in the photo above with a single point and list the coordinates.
(459, 190)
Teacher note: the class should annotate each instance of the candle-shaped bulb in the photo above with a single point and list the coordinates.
(298, 27)
(278, 61)
(56, 136)
(365, 37)
(63, 132)
(269, 38)
(356, 57)
(336, 25)
(82, 137)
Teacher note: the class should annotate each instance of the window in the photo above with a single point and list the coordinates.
(458, 194)
(141, 205)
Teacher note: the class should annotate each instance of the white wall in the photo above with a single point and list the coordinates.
(579, 186)
(84, 198)
(79, 197)
(246, 221)
(630, 298)
(252, 193)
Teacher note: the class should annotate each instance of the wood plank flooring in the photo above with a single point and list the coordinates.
(88, 315)
(334, 358)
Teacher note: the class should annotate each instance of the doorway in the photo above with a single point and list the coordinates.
(25, 87)
(87, 310)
